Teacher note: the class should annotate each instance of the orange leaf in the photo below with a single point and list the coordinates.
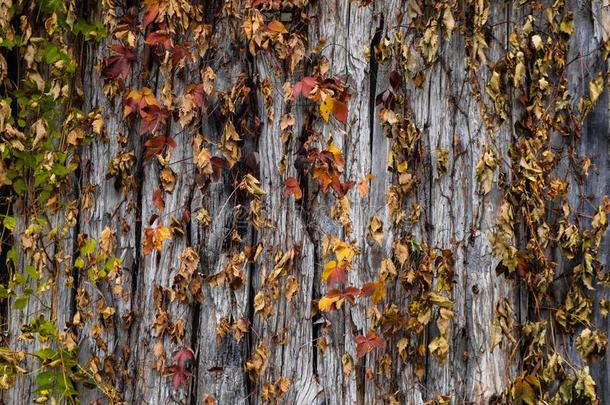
(154, 238)
(375, 290)
(291, 186)
(334, 273)
(152, 10)
(276, 27)
(158, 199)
(363, 185)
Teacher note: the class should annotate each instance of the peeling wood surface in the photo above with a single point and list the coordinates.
(454, 212)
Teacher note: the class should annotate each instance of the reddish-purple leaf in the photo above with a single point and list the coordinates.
(182, 367)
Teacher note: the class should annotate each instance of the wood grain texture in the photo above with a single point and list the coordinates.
(455, 215)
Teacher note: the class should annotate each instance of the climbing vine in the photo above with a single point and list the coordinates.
(161, 84)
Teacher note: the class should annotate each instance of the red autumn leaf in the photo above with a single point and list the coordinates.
(144, 103)
(340, 111)
(198, 94)
(161, 39)
(158, 199)
(291, 186)
(304, 87)
(186, 215)
(136, 100)
(152, 10)
(180, 53)
(374, 289)
(368, 289)
(149, 241)
(156, 145)
(366, 344)
(151, 117)
(335, 273)
(182, 367)
(341, 188)
(117, 66)
(218, 165)
(330, 301)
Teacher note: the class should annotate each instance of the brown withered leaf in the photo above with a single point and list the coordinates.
(257, 364)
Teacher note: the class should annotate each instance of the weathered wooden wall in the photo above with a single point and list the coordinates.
(454, 215)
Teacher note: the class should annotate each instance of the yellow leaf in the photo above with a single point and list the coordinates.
(596, 88)
(326, 107)
(328, 269)
(326, 303)
(344, 252)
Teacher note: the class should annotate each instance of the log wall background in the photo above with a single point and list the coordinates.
(453, 214)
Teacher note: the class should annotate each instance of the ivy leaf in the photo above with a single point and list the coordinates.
(154, 238)
(276, 27)
(366, 344)
(152, 10)
(585, 385)
(156, 145)
(145, 104)
(117, 66)
(158, 200)
(182, 367)
(334, 273)
(375, 290)
(334, 298)
(160, 39)
(136, 100)
(304, 87)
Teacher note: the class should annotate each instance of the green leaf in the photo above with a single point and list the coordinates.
(31, 270)
(46, 380)
(9, 223)
(88, 248)
(20, 302)
(46, 354)
(19, 186)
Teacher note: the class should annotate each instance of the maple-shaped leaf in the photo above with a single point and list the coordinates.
(363, 185)
(334, 273)
(366, 344)
(305, 86)
(182, 367)
(344, 251)
(341, 188)
(197, 91)
(291, 186)
(117, 66)
(151, 117)
(327, 303)
(333, 155)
